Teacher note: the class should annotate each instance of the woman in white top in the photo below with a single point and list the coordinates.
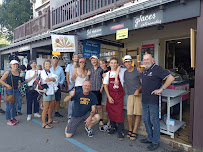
(31, 94)
(80, 74)
(49, 97)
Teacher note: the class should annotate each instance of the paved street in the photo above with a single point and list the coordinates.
(31, 137)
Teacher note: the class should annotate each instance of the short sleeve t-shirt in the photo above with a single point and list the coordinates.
(83, 103)
(132, 81)
(107, 70)
(44, 76)
(152, 80)
(69, 69)
(29, 74)
(113, 75)
(22, 75)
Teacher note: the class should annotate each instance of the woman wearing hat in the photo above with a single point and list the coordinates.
(12, 84)
(80, 74)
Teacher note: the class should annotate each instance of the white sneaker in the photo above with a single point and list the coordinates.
(37, 115)
(41, 107)
(29, 117)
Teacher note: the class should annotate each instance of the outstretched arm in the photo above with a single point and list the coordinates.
(68, 98)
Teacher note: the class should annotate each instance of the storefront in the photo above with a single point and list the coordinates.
(163, 31)
(166, 35)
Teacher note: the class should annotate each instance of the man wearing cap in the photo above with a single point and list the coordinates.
(58, 70)
(153, 76)
(96, 80)
(132, 80)
(69, 72)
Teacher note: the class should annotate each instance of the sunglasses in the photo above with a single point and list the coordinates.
(55, 58)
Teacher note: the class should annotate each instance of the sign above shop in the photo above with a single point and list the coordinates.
(170, 14)
(24, 48)
(148, 20)
(94, 32)
(64, 43)
(116, 27)
(91, 48)
(122, 34)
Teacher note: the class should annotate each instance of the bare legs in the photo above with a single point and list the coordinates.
(136, 124)
(48, 108)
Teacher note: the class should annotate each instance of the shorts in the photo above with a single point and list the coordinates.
(75, 121)
(48, 97)
(134, 105)
(99, 97)
(58, 95)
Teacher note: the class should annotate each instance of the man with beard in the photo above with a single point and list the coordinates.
(153, 76)
(95, 78)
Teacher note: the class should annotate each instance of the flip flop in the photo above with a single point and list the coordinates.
(129, 134)
(53, 122)
(47, 125)
(133, 136)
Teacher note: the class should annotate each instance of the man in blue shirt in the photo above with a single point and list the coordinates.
(58, 70)
(71, 84)
(153, 76)
(84, 110)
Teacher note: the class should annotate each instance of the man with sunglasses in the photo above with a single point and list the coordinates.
(58, 70)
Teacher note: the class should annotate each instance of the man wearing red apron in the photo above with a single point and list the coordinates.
(115, 99)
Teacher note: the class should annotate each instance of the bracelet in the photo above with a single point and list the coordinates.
(162, 88)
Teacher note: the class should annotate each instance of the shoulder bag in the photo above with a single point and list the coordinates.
(10, 98)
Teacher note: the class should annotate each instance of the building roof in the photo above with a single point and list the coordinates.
(122, 11)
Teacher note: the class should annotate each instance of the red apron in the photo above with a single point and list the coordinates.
(115, 110)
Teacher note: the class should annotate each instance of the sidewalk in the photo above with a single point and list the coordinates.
(31, 137)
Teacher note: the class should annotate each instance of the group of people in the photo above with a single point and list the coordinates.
(85, 95)
(52, 75)
(143, 90)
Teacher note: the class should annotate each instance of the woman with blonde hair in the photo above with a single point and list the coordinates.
(49, 98)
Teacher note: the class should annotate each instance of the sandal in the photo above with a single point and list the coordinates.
(54, 122)
(133, 136)
(129, 134)
(47, 126)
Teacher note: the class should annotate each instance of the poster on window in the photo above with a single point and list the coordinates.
(147, 49)
(64, 43)
(91, 48)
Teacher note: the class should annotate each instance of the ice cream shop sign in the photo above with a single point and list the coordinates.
(148, 20)
(63, 43)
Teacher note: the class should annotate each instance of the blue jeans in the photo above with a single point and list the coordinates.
(150, 117)
(31, 97)
(70, 104)
(11, 107)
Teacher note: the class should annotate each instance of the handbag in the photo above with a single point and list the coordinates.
(10, 98)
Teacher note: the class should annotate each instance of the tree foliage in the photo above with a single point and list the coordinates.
(14, 13)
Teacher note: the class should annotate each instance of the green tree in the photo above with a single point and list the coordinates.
(3, 42)
(14, 13)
